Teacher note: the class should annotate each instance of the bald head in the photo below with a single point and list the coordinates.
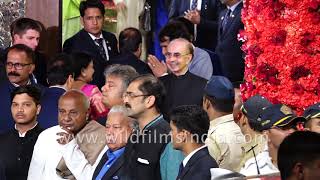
(74, 109)
(77, 95)
(178, 56)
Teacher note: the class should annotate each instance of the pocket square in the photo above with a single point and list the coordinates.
(143, 161)
(115, 177)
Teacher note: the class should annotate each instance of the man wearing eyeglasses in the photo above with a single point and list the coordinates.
(183, 87)
(19, 66)
(277, 122)
(27, 31)
(143, 99)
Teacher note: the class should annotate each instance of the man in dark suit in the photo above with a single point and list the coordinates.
(27, 31)
(17, 144)
(203, 15)
(130, 46)
(99, 44)
(189, 126)
(117, 117)
(20, 65)
(60, 79)
(228, 47)
(143, 99)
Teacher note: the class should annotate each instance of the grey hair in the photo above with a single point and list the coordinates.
(123, 110)
(125, 72)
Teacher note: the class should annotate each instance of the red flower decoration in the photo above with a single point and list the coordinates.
(282, 46)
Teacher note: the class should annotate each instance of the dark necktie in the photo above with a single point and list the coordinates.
(194, 4)
(180, 170)
(226, 20)
(101, 48)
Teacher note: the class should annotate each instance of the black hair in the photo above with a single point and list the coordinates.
(174, 30)
(150, 85)
(32, 91)
(299, 147)
(221, 105)
(23, 48)
(84, 5)
(21, 25)
(186, 23)
(129, 40)
(80, 61)
(59, 69)
(191, 118)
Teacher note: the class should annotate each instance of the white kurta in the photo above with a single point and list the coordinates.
(46, 155)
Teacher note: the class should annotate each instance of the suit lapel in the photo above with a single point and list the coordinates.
(90, 43)
(234, 15)
(193, 160)
(114, 168)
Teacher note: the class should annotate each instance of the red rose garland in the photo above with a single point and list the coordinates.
(282, 46)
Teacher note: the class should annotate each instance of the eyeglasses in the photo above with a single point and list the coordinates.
(175, 55)
(17, 66)
(131, 95)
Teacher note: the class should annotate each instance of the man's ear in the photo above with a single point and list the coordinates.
(206, 103)
(33, 66)
(69, 82)
(150, 101)
(81, 20)
(38, 109)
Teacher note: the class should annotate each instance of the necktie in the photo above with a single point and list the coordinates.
(180, 170)
(226, 20)
(194, 4)
(107, 165)
(101, 48)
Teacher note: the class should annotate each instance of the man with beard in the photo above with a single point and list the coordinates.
(143, 99)
(20, 65)
(17, 145)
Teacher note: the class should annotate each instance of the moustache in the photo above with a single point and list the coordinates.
(13, 74)
(127, 105)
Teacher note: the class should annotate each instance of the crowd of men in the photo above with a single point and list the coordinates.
(182, 118)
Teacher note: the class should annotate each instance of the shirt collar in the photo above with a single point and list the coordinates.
(94, 38)
(233, 7)
(117, 153)
(188, 157)
(24, 134)
(258, 142)
(221, 120)
(153, 122)
(57, 86)
(17, 85)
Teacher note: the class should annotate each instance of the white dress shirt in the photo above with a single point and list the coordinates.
(188, 157)
(104, 43)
